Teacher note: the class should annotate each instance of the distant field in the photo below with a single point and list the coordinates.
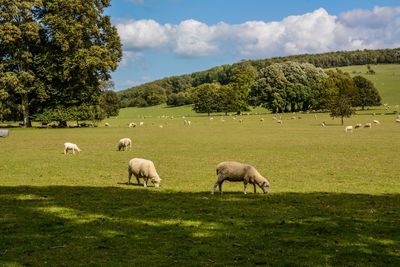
(386, 80)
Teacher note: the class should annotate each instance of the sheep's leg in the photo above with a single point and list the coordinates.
(213, 189)
(220, 186)
(145, 182)
(129, 177)
(73, 151)
(255, 188)
(245, 187)
(137, 179)
(65, 151)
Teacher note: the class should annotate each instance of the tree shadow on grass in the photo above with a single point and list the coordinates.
(72, 226)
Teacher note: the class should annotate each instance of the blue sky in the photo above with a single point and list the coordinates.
(163, 38)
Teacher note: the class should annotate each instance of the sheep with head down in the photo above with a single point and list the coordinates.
(71, 147)
(237, 172)
(143, 168)
(124, 144)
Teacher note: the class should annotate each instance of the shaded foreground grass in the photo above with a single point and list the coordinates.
(73, 226)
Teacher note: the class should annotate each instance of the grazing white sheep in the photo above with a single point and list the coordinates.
(368, 125)
(141, 123)
(124, 143)
(397, 120)
(376, 122)
(71, 146)
(237, 172)
(358, 125)
(143, 168)
(132, 125)
(323, 124)
(261, 119)
(106, 124)
(348, 129)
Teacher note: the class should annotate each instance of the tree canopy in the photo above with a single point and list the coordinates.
(54, 54)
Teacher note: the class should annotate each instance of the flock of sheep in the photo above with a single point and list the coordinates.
(226, 171)
(350, 128)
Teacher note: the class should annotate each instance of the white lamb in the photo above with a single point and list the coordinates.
(143, 168)
(236, 172)
(124, 143)
(71, 146)
(348, 129)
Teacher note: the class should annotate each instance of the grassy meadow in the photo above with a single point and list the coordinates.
(334, 198)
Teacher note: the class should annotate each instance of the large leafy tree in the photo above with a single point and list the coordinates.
(82, 48)
(207, 98)
(341, 94)
(368, 94)
(19, 50)
(242, 78)
(288, 86)
(56, 52)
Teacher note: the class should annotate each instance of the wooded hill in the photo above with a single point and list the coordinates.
(176, 90)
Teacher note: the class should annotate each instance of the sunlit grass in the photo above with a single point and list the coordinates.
(334, 197)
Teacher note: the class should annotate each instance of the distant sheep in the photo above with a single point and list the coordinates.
(141, 123)
(106, 124)
(376, 122)
(368, 125)
(323, 124)
(143, 168)
(261, 119)
(71, 146)
(237, 172)
(358, 125)
(124, 143)
(348, 129)
(132, 125)
(398, 120)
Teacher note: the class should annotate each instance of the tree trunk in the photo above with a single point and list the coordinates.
(25, 110)
(62, 124)
(342, 119)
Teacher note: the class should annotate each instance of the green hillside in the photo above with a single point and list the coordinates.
(386, 80)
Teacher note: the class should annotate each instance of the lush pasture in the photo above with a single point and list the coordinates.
(334, 196)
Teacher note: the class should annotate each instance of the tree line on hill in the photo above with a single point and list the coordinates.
(55, 61)
(282, 86)
(250, 76)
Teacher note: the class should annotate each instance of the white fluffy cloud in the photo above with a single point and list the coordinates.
(142, 34)
(313, 32)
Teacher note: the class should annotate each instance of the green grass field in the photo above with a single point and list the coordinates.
(334, 198)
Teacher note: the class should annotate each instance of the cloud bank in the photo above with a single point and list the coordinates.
(313, 32)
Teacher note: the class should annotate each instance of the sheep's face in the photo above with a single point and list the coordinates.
(265, 187)
(156, 181)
